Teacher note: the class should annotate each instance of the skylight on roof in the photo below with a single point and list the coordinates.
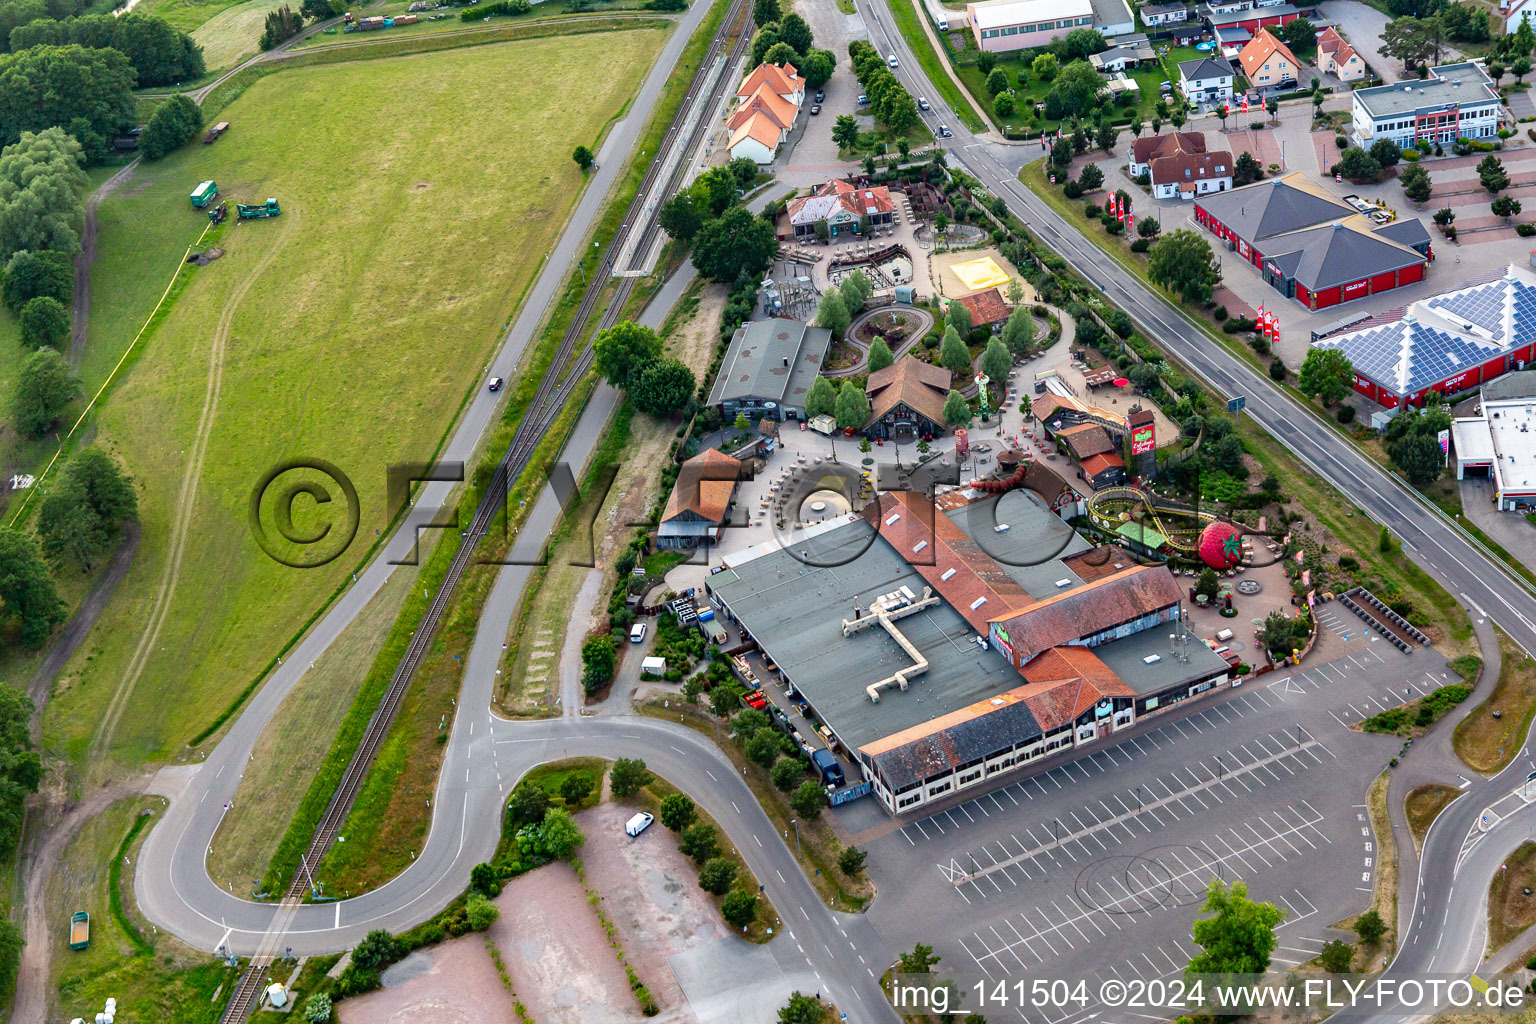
(947, 573)
(919, 546)
(892, 518)
(978, 603)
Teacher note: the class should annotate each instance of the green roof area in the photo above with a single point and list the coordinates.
(1142, 533)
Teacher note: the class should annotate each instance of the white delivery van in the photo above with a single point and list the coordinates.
(639, 823)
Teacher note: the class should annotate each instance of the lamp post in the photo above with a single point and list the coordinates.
(796, 823)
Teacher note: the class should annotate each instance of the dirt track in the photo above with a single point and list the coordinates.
(87, 256)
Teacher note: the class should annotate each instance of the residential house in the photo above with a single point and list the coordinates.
(700, 501)
(1113, 18)
(768, 369)
(1155, 15)
(1003, 25)
(1206, 79)
(1456, 101)
(1181, 175)
(842, 205)
(769, 102)
(906, 400)
(1145, 149)
(1518, 11)
(1268, 64)
(1123, 55)
(1337, 58)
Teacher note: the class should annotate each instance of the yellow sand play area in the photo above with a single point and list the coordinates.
(980, 274)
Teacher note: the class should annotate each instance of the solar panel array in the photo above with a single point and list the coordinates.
(1482, 306)
(1524, 320)
(1431, 354)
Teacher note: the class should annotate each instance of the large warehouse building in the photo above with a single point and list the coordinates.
(941, 652)
(1311, 246)
(1448, 343)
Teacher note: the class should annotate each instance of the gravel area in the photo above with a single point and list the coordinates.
(650, 892)
(453, 982)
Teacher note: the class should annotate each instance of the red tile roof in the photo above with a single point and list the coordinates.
(1181, 168)
(1089, 609)
(986, 308)
(945, 547)
(1066, 681)
(1153, 146)
(704, 486)
(1261, 48)
(1093, 465)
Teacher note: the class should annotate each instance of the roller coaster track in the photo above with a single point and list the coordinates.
(570, 363)
(1114, 505)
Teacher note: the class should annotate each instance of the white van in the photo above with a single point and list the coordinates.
(639, 823)
(637, 633)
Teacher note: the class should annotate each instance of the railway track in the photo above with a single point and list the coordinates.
(548, 400)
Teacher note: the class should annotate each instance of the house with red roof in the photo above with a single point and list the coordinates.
(845, 207)
(769, 101)
(700, 500)
(1337, 58)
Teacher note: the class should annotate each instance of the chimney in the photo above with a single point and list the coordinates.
(786, 360)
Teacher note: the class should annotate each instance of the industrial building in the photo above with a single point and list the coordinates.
(1499, 443)
(1447, 343)
(943, 644)
(768, 369)
(1456, 101)
(1311, 246)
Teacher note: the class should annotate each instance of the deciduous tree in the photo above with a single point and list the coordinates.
(678, 812)
(699, 841)
(628, 777)
(623, 351)
(174, 123)
(957, 411)
(832, 312)
(29, 275)
(739, 907)
(680, 217)
(716, 875)
(1019, 331)
(1326, 374)
(43, 390)
(663, 388)
(879, 355)
(996, 361)
(821, 399)
(1491, 174)
(583, 157)
(1183, 262)
(83, 516)
(27, 599)
(809, 799)
(1238, 936)
(41, 185)
(733, 245)
(852, 406)
(45, 322)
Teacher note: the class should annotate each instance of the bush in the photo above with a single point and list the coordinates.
(479, 912)
(699, 842)
(1073, 190)
(739, 907)
(1411, 155)
(1523, 230)
(851, 860)
(1341, 141)
(1370, 927)
(175, 123)
(1141, 245)
(678, 812)
(1346, 414)
(318, 1009)
(1221, 313)
(716, 876)
(1336, 957)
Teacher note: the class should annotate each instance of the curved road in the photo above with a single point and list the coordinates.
(487, 755)
(1447, 927)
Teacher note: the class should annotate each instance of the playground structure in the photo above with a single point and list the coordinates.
(1217, 542)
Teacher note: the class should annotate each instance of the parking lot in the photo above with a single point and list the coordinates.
(1264, 784)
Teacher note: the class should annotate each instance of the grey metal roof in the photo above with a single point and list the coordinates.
(1410, 232)
(1031, 549)
(771, 360)
(1127, 659)
(795, 612)
(1156, 9)
(1465, 83)
(1274, 207)
(1220, 18)
(1520, 384)
(1333, 254)
(1205, 67)
(975, 738)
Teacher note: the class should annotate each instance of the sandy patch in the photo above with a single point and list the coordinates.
(650, 892)
(948, 284)
(561, 964)
(453, 982)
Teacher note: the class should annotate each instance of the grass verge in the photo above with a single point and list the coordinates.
(174, 985)
(1424, 804)
(1418, 716)
(1490, 737)
(908, 20)
(1510, 911)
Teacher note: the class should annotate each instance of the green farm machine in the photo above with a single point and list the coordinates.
(271, 209)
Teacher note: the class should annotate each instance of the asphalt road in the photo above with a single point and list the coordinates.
(1447, 929)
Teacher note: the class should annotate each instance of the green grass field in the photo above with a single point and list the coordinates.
(352, 328)
(189, 15)
(541, 12)
(172, 984)
(233, 33)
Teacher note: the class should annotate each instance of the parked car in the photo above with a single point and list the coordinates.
(820, 95)
(639, 823)
(494, 384)
(922, 103)
(637, 633)
(815, 109)
(863, 100)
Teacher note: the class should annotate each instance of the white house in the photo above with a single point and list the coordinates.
(1187, 175)
(1206, 79)
(1518, 11)
(770, 99)
(1164, 14)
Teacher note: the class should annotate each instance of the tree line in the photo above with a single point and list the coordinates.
(786, 38)
(158, 53)
(889, 100)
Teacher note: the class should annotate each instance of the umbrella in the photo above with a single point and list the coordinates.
(1120, 382)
